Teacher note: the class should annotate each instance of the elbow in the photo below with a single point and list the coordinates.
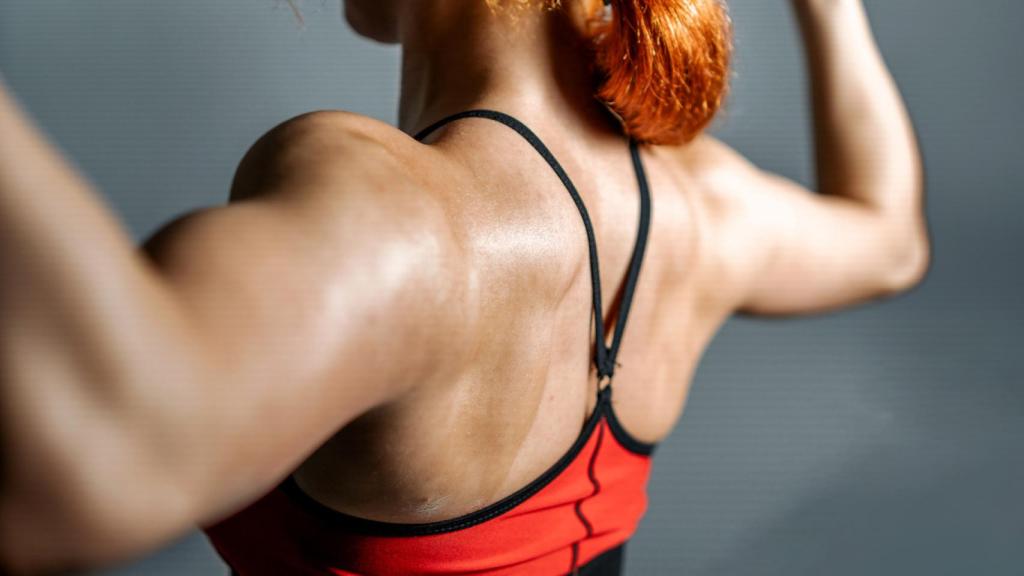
(911, 268)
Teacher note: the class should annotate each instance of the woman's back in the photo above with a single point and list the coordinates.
(407, 328)
(520, 461)
(521, 407)
(526, 386)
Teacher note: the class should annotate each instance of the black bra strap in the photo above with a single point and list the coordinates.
(639, 247)
(604, 356)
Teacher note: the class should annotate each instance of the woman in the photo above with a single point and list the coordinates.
(394, 350)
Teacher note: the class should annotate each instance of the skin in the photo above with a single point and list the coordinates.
(405, 325)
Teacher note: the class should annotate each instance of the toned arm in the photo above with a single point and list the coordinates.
(319, 293)
(781, 249)
(784, 250)
(242, 336)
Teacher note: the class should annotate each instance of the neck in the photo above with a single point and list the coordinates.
(460, 55)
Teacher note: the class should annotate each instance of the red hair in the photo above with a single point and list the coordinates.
(662, 65)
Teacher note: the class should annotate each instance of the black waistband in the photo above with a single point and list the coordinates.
(608, 563)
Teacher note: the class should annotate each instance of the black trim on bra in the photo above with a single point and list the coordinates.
(579, 503)
(604, 355)
(605, 359)
(636, 259)
(381, 528)
(627, 440)
(371, 527)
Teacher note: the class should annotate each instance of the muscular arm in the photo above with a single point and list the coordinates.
(785, 250)
(145, 391)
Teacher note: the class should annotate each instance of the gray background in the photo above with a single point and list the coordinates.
(883, 439)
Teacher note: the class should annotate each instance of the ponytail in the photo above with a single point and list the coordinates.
(662, 65)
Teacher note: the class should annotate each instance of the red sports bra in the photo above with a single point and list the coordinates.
(575, 518)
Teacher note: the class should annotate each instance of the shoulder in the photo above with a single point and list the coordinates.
(318, 194)
(735, 208)
(330, 285)
(344, 174)
(303, 154)
(327, 218)
(735, 191)
(716, 166)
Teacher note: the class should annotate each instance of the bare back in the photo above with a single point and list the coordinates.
(406, 326)
(526, 387)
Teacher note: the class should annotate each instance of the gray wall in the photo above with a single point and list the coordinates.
(879, 440)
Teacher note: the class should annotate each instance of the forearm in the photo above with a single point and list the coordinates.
(866, 149)
(90, 346)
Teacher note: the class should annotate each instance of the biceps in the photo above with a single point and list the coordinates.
(795, 252)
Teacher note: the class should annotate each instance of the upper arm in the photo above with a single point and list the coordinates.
(782, 249)
(316, 298)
